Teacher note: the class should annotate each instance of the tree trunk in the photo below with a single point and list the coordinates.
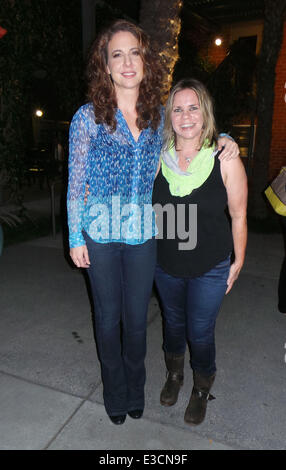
(88, 23)
(161, 20)
(271, 44)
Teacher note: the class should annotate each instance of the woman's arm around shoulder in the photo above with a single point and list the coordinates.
(229, 147)
(235, 181)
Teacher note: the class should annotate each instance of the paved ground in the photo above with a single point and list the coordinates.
(51, 390)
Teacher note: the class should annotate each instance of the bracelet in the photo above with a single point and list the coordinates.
(223, 134)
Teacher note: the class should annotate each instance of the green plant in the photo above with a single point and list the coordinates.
(41, 49)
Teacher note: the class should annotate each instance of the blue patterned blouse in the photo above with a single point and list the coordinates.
(120, 173)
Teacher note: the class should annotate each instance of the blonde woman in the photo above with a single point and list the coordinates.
(193, 277)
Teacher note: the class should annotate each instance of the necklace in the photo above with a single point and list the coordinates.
(188, 158)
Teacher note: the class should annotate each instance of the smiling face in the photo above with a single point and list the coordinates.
(186, 116)
(124, 62)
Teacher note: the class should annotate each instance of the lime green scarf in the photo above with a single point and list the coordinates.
(182, 183)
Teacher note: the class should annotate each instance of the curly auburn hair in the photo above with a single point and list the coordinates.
(101, 91)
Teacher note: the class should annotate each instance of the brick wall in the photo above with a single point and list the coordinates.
(209, 50)
(216, 54)
(278, 143)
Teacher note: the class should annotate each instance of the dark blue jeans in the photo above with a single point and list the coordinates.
(190, 309)
(121, 278)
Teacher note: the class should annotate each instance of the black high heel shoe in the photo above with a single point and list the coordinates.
(135, 414)
(118, 419)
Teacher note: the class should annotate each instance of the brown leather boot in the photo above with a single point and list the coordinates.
(196, 409)
(175, 379)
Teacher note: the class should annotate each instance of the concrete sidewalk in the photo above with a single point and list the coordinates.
(51, 390)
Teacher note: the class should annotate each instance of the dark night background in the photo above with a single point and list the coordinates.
(42, 66)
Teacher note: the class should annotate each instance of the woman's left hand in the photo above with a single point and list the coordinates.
(233, 275)
(231, 149)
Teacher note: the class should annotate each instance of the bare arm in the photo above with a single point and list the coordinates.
(235, 181)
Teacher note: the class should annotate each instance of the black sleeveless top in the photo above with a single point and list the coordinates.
(201, 237)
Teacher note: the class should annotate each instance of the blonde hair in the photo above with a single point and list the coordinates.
(209, 132)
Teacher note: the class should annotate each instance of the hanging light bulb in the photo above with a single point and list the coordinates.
(218, 41)
(39, 113)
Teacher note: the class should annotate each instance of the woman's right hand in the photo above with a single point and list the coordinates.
(80, 257)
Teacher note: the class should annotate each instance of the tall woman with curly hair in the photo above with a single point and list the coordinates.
(115, 142)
